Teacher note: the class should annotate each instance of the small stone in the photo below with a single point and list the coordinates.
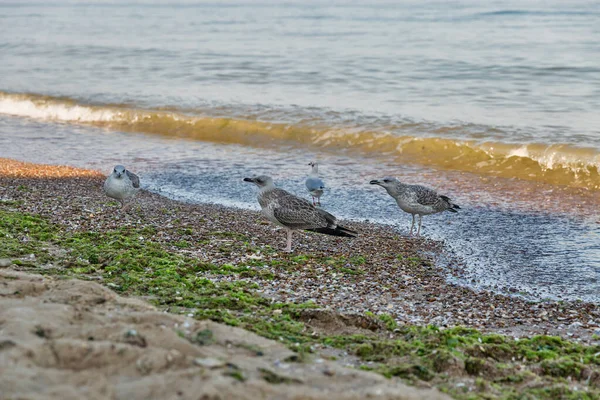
(5, 262)
(210, 363)
(144, 366)
(277, 312)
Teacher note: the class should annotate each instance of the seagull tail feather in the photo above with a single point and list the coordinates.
(452, 207)
(337, 231)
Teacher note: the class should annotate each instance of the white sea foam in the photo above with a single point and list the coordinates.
(520, 152)
(54, 111)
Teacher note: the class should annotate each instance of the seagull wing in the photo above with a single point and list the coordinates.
(313, 183)
(425, 196)
(135, 180)
(295, 212)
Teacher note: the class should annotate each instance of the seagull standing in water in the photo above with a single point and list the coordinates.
(293, 212)
(416, 199)
(314, 184)
(122, 185)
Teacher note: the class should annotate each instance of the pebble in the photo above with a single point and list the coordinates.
(5, 262)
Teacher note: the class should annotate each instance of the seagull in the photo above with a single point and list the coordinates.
(293, 212)
(416, 199)
(122, 185)
(314, 184)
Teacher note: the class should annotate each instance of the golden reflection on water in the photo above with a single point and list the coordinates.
(18, 169)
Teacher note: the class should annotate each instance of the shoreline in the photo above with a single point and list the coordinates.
(372, 303)
(385, 271)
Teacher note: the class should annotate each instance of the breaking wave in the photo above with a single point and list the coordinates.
(562, 164)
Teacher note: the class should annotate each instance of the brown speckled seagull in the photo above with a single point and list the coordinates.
(293, 212)
(416, 199)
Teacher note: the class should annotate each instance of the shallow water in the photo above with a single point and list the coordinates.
(511, 235)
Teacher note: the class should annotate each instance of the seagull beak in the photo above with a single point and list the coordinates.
(374, 182)
(249, 180)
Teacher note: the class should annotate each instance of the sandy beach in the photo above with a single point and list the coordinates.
(225, 264)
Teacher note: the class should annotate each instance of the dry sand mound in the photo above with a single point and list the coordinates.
(72, 339)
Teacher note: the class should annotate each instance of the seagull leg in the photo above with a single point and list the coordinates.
(412, 226)
(420, 222)
(319, 201)
(289, 241)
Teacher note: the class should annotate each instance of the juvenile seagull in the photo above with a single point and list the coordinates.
(314, 184)
(416, 199)
(122, 185)
(294, 213)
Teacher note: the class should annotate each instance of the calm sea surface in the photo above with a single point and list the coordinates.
(496, 104)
